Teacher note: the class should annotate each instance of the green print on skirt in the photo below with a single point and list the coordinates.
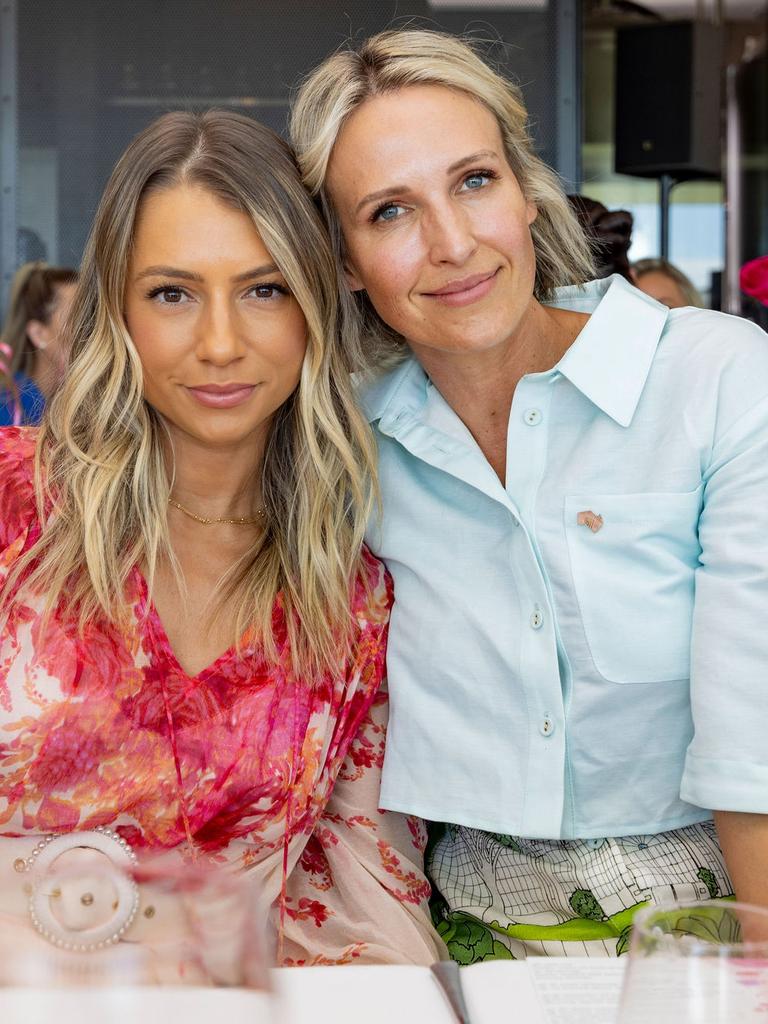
(505, 897)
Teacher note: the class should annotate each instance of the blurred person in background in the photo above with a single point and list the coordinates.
(609, 233)
(192, 635)
(574, 515)
(33, 349)
(664, 282)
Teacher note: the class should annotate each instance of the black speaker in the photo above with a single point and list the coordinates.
(668, 96)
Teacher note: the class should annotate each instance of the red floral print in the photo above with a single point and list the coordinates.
(243, 761)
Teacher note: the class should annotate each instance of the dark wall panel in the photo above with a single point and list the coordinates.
(92, 73)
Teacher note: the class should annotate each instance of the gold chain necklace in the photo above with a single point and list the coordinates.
(239, 521)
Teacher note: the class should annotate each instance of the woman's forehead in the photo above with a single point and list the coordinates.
(420, 128)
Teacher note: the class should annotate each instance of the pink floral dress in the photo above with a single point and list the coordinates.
(242, 762)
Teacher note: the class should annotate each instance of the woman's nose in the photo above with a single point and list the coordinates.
(451, 238)
(219, 340)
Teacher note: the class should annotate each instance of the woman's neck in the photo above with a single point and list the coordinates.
(480, 386)
(216, 481)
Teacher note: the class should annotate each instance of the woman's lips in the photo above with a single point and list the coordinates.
(222, 396)
(466, 291)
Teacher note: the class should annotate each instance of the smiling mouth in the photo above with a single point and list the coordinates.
(464, 291)
(222, 396)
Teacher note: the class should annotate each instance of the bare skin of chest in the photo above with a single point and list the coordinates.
(196, 634)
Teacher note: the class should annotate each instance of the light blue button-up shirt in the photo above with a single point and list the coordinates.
(584, 651)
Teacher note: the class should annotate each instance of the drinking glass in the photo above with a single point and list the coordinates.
(92, 934)
(697, 963)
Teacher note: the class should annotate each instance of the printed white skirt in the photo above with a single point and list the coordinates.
(507, 897)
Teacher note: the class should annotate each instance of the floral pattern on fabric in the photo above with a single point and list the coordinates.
(239, 761)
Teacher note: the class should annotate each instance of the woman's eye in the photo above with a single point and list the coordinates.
(388, 213)
(267, 291)
(476, 180)
(168, 296)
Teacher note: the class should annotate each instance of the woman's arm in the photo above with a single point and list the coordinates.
(727, 762)
(358, 893)
(744, 840)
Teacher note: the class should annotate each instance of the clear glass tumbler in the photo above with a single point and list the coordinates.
(93, 935)
(697, 963)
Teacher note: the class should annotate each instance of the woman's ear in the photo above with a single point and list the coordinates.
(38, 333)
(532, 212)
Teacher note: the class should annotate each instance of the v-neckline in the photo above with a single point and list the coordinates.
(161, 642)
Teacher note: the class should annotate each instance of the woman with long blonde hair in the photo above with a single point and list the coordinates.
(573, 481)
(193, 636)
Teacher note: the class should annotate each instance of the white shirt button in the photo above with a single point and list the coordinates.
(536, 619)
(547, 726)
(532, 417)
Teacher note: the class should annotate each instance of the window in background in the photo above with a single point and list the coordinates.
(697, 226)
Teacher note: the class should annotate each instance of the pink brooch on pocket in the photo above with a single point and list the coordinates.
(590, 519)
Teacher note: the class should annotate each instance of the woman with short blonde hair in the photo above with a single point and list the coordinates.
(394, 60)
(192, 635)
(573, 484)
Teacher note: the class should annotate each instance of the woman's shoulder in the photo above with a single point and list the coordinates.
(17, 472)
(716, 354)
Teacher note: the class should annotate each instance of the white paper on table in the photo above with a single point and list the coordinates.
(537, 991)
(544, 990)
(355, 993)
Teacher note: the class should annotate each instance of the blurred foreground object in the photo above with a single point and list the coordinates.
(697, 963)
(99, 934)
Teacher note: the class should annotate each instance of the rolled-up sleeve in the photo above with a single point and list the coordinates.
(726, 765)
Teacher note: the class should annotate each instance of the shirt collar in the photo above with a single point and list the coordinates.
(396, 394)
(608, 362)
(611, 358)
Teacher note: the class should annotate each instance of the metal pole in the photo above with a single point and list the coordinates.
(666, 184)
(731, 300)
(568, 85)
(9, 144)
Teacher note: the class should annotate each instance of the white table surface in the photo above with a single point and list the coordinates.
(495, 992)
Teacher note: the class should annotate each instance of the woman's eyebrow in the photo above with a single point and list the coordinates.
(482, 154)
(384, 193)
(188, 275)
(393, 190)
(262, 271)
(185, 275)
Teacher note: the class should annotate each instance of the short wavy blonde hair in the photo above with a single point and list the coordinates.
(394, 60)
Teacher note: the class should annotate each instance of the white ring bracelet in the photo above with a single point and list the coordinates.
(122, 860)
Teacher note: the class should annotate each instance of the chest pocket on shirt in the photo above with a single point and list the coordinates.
(634, 581)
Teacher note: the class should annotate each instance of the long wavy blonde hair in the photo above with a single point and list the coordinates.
(101, 462)
(393, 60)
